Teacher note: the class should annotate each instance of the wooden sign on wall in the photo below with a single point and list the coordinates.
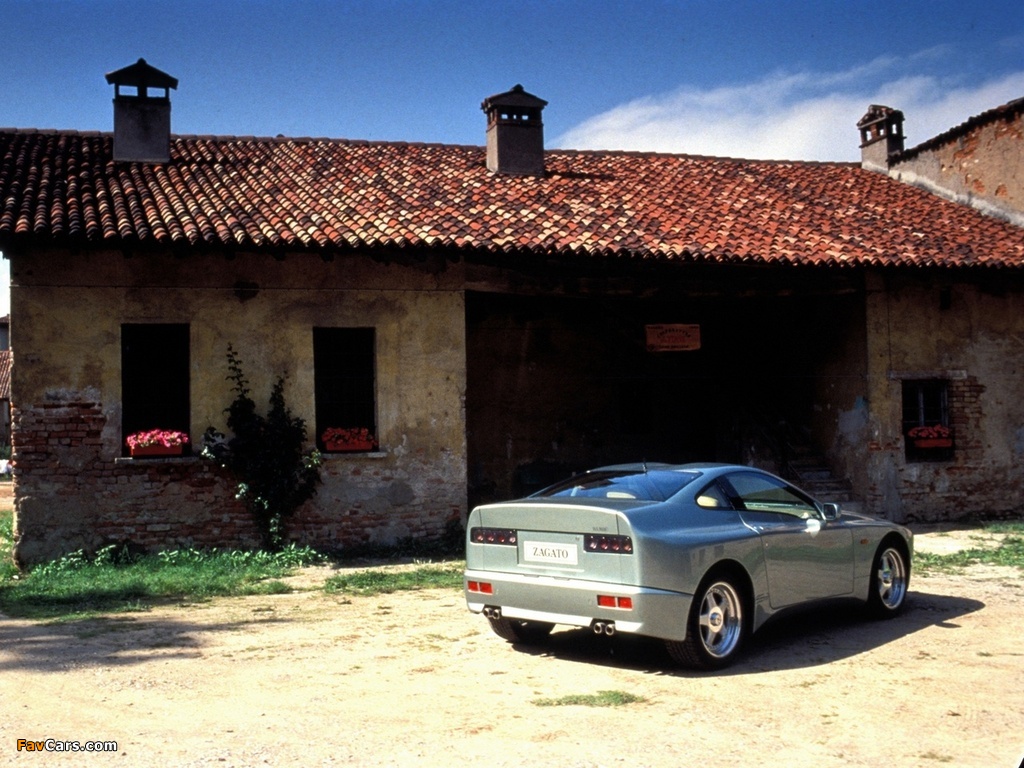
(673, 337)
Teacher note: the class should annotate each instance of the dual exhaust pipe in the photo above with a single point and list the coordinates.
(598, 627)
(603, 628)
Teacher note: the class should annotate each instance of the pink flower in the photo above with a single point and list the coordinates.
(346, 435)
(156, 437)
(930, 432)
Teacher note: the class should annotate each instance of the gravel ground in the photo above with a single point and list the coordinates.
(413, 679)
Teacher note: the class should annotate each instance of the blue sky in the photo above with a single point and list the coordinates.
(773, 80)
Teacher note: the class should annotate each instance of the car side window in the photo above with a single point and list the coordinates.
(759, 493)
(713, 497)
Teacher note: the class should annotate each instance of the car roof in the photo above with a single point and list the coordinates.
(644, 466)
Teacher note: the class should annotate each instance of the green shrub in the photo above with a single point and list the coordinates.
(274, 476)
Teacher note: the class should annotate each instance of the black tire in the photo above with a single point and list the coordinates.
(516, 631)
(717, 627)
(890, 580)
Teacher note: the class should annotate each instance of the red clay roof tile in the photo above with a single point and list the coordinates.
(326, 195)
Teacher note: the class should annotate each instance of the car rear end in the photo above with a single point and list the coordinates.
(566, 561)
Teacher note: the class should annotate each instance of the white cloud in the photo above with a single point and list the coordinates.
(792, 116)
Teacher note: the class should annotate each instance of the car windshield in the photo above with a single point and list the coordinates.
(654, 485)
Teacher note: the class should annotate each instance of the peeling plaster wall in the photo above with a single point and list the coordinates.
(975, 341)
(839, 409)
(983, 167)
(73, 488)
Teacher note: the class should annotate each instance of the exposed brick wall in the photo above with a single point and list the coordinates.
(958, 488)
(365, 500)
(71, 494)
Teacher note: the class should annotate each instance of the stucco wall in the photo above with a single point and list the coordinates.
(972, 337)
(984, 167)
(73, 489)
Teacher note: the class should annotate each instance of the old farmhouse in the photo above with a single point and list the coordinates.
(496, 315)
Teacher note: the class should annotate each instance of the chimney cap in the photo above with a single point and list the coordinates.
(517, 97)
(142, 76)
(877, 113)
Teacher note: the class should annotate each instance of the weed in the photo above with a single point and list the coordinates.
(382, 582)
(8, 570)
(115, 581)
(933, 755)
(599, 699)
(1009, 552)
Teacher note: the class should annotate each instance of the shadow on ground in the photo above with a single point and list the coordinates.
(107, 641)
(804, 638)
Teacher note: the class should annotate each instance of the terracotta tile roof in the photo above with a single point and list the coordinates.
(323, 195)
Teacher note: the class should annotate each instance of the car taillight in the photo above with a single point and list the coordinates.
(482, 587)
(622, 545)
(493, 536)
(611, 601)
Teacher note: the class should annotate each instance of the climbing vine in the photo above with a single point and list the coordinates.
(265, 454)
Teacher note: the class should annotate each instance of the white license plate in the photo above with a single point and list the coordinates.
(548, 552)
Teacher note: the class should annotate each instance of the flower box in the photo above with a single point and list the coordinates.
(155, 450)
(933, 442)
(935, 436)
(348, 439)
(350, 445)
(156, 442)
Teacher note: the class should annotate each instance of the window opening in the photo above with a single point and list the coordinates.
(154, 378)
(927, 433)
(344, 372)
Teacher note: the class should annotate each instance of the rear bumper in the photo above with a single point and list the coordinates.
(655, 612)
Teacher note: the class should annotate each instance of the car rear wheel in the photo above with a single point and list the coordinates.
(890, 578)
(516, 631)
(716, 628)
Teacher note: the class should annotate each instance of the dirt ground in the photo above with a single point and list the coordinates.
(413, 679)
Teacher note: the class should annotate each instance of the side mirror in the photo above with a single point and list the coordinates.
(830, 510)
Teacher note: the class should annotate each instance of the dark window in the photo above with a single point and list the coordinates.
(759, 493)
(344, 375)
(655, 485)
(154, 378)
(926, 424)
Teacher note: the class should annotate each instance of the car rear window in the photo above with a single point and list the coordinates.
(654, 485)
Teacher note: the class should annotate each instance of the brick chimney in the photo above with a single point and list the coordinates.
(515, 133)
(881, 135)
(142, 122)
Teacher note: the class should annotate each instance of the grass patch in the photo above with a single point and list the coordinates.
(111, 581)
(1009, 552)
(599, 699)
(383, 582)
(8, 570)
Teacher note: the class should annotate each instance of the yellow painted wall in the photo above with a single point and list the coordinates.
(68, 310)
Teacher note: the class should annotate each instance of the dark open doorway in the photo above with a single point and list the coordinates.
(557, 385)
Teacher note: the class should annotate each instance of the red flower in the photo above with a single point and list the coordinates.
(930, 432)
(156, 437)
(348, 435)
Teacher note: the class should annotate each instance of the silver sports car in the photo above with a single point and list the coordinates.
(698, 555)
